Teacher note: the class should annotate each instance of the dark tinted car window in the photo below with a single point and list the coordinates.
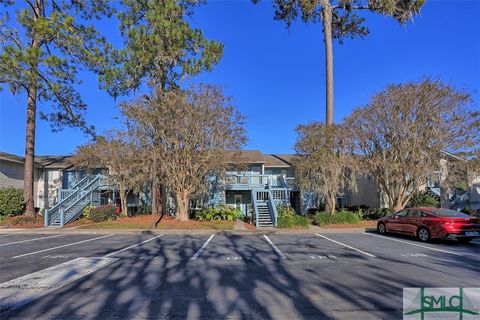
(402, 213)
(414, 213)
(450, 213)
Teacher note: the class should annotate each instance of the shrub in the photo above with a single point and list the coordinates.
(86, 212)
(287, 218)
(219, 213)
(103, 213)
(11, 201)
(143, 209)
(340, 217)
(423, 199)
(376, 213)
(356, 208)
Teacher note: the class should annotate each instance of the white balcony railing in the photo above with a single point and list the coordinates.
(252, 180)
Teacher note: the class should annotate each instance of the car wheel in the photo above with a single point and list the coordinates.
(381, 228)
(423, 234)
(464, 240)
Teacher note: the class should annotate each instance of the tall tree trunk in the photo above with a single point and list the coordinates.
(398, 204)
(28, 174)
(327, 33)
(330, 203)
(182, 206)
(123, 199)
(444, 196)
(155, 188)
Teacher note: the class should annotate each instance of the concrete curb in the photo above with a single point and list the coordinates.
(73, 230)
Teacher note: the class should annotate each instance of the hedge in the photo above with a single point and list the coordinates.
(11, 201)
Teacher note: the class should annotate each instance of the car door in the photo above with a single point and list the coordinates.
(411, 221)
(396, 223)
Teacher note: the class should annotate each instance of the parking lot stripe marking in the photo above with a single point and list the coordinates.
(132, 246)
(413, 244)
(7, 244)
(346, 245)
(62, 246)
(23, 290)
(275, 248)
(199, 252)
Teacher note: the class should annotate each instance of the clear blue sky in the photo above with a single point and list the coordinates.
(276, 76)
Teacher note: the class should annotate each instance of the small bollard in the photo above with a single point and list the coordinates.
(45, 218)
(62, 217)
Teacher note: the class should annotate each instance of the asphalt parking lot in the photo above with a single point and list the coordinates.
(206, 276)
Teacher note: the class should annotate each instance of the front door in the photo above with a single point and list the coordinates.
(238, 201)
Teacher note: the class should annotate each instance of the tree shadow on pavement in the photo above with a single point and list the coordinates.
(238, 277)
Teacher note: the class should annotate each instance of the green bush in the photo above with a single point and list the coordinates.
(103, 213)
(143, 209)
(11, 201)
(219, 213)
(340, 217)
(423, 199)
(287, 218)
(86, 211)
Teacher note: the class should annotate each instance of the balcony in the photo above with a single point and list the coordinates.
(246, 180)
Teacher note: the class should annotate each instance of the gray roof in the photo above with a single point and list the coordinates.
(236, 157)
(257, 157)
(62, 162)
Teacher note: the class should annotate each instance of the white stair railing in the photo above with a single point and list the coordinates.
(69, 208)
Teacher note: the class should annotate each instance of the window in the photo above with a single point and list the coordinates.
(450, 213)
(402, 213)
(414, 214)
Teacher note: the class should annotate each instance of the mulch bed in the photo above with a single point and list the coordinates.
(158, 222)
(22, 222)
(361, 224)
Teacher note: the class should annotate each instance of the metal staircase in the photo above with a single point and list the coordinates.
(72, 202)
(265, 208)
(264, 218)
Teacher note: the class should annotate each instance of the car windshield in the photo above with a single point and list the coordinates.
(450, 213)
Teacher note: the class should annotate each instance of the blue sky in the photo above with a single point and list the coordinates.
(276, 76)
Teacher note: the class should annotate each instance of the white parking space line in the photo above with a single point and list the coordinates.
(275, 248)
(346, 245)
(132, 246)
(7, 244)
(62, 246)
(413, 244)
(23, 290)
(199, 252)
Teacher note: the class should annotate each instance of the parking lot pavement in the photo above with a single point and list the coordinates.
(19, 259)
(221, 276)
(300, 249)
(223, 249)
(400, 247)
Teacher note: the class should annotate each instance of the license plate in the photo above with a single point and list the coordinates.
(472, 234)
